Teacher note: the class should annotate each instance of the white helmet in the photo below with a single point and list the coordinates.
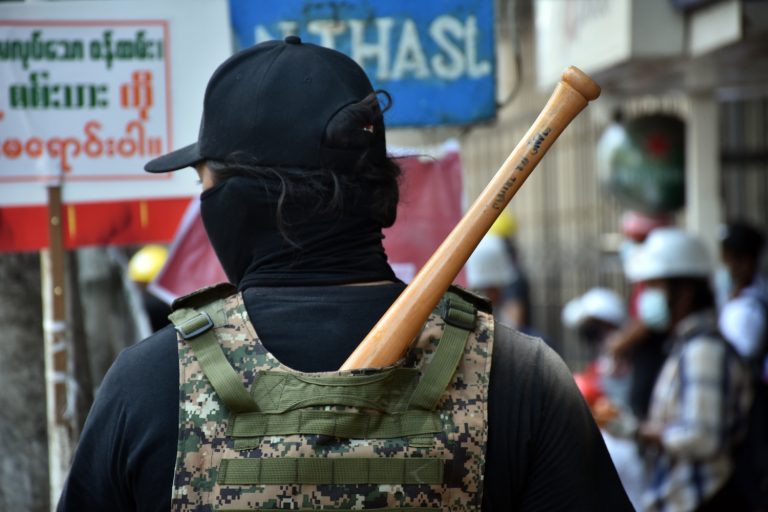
(490, 264)
(669, 252)
(600, 303)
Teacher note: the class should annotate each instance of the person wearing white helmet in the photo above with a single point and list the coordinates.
(702, 393)
(493, 271)
(490, 269)
(598, 315)
(598, 304)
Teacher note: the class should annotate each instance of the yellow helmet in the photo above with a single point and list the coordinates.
(146, 263)
(505, 226)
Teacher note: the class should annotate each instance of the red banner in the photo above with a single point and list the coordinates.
(25, 228)
(430, 206)
(191, 263)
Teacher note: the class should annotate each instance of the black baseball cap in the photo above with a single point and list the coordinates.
(270, 104)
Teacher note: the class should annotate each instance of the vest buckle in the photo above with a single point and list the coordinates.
(195, 326)
(459, 313)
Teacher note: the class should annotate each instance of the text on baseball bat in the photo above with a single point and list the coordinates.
(500, 199)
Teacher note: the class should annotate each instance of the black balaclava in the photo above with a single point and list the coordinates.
(335, 247)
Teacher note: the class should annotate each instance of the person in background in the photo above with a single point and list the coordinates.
(702, 395)
(744, 323)
(143, 267)
(744, 317)
(597, 315)
(636, 343)
(491, 271)
(516, 296)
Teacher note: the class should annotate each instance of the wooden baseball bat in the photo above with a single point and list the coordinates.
(397, 328)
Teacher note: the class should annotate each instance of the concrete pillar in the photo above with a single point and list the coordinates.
(703, 212)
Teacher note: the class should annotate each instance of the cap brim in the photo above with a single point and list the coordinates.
(175, 160)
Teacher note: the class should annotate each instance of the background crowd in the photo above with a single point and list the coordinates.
(676, 372)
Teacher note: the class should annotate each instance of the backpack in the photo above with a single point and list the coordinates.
(256, 435)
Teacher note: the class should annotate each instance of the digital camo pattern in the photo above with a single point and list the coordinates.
(204, 443)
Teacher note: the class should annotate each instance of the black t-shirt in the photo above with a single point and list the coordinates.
(544, 450)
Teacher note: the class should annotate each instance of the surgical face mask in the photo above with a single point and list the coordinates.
(653, 310)
(723, 284)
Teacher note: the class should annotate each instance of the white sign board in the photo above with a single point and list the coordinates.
(91, 91)
(597, 35)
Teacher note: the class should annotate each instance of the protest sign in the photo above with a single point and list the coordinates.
(89, 92)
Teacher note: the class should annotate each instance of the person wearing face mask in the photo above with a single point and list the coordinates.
(744, 323)
(243, 407)
(635, 342)
(702, 394)
(744, 317)
(597, 315)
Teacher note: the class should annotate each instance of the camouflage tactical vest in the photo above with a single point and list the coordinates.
(257, 435)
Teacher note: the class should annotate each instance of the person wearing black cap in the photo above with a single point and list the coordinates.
(297, 186)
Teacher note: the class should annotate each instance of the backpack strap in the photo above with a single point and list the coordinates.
(762, 301)
(736, 431)
(460, 317)
(196, 329)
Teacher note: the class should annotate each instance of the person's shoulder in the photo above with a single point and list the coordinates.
(707, 349)
(745, 302)
(153, 345)
(512, 347)
(527, 362)
(139, 362)
(162, 343)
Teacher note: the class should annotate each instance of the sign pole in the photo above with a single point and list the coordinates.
(56, 349)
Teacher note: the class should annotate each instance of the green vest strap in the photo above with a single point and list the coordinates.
(389, 391)
(338, 471)
(459, 316)
(197, 329)
(347, 425)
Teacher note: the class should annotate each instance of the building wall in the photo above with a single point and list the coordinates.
(744, 139)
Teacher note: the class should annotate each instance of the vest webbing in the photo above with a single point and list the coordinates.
(331, 471)
(196, 327)
(396, 408)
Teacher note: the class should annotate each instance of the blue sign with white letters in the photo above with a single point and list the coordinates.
(435, 57)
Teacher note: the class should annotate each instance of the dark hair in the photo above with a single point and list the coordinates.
(357, 126)
(743, 239)
(703, 298)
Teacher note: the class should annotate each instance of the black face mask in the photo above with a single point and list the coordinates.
(322, 247)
